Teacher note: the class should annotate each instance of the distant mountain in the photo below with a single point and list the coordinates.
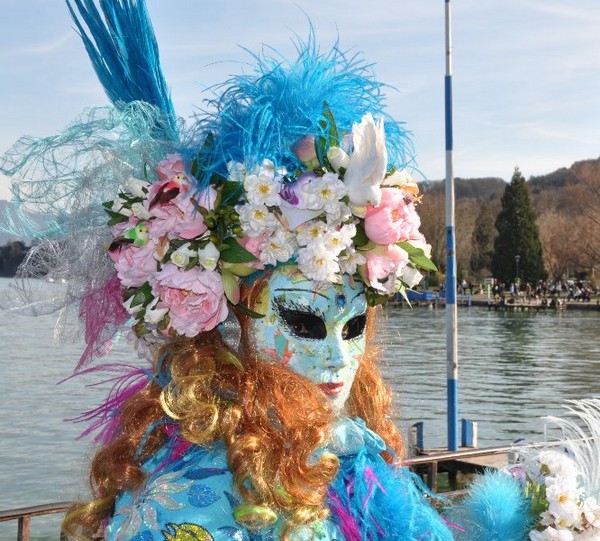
(476, 188)
(580, 171)
(486, 188)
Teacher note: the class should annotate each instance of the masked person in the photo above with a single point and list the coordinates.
(247, 254)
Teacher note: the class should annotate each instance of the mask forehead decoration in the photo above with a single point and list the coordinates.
(306, 329)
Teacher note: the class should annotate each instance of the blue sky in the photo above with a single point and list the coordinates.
(526, 72)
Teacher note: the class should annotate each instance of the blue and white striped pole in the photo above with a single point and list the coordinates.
(451, 313)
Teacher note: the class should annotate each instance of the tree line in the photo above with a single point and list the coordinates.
(12, 255)
(531, 231)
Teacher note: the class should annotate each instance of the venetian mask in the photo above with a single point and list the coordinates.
(316, 330)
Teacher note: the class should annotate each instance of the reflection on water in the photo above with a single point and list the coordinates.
(514, 368)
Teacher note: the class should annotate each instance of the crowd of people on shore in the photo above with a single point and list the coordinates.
(548, 293)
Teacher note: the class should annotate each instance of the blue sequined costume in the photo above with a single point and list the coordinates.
(193, 497)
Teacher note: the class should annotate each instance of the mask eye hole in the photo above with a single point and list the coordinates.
(354, 327)
(303, 324)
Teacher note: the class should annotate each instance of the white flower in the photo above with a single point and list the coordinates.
(338, 158)
(410, 276)
(181, 257)
(558, 464)
(337, 240)
(338, 214)
(350, 259)
(209, 256)
(263, 190)
(329, 189)
(402, 179)
(311, 232)
(135, 187)
(153, 314)
(140, 211)
(256, 220)
(267, 170)
(237, 171)
(319, 264)
(280, 247)
(591, 511)
(368, 162)
(566, 511)
(551, 534)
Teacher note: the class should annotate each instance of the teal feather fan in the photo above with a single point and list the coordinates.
(121, 44)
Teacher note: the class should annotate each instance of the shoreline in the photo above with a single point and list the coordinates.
(520, 304)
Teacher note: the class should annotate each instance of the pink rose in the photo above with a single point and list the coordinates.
(180, 217)
(304, 149)
(195, 298)
(253, 245)
(384, 265)
(170, 167)
(135, 265)
(393, 220)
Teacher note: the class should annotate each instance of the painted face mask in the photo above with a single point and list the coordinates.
(316, 332)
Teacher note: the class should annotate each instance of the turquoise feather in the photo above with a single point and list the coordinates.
(121, 44)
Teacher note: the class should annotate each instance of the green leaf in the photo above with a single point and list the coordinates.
(231, 192)
(235, 253)
(192, 263)
(248, 312)
(360, 239)
(117, 219)
(143, 295)
(417, 256)
(231, 286)
(328, 136)
(202, 160)
(333, 138)
(374, 298)
(229, 358)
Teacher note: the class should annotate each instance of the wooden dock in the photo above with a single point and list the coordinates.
(429, 463)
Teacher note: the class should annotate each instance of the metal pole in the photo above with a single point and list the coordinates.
(451, 313)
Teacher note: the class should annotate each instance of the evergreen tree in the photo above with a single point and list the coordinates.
(517, 248)
(482, 239)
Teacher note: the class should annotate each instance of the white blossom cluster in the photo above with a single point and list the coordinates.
(571, 515)
(323, 246)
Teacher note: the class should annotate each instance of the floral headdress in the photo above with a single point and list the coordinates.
(296, 161)
(180, 253)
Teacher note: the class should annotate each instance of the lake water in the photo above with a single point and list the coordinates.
(514, 369)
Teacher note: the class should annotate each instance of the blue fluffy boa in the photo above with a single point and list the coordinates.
(372, 501)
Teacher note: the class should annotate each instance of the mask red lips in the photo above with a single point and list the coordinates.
(331, 389)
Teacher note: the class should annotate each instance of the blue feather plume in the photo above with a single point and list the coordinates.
(121, 44)
(263, 113)
(373, 501)
(495, 509)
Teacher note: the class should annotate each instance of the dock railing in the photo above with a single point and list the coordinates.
(23, 516)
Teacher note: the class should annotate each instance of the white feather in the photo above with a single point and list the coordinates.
(581, 437)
